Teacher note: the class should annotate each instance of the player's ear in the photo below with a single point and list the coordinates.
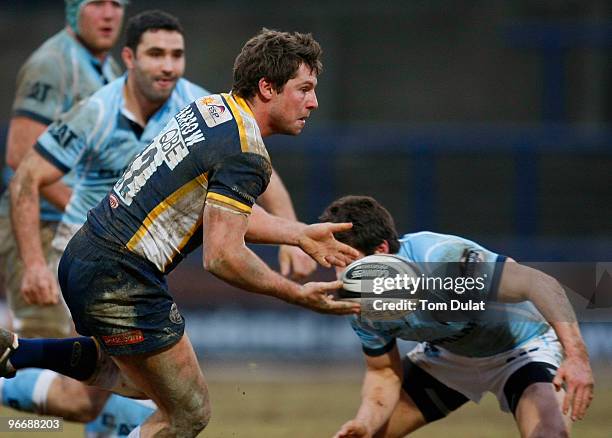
(128, 56)
(383, 248)
(266, 89)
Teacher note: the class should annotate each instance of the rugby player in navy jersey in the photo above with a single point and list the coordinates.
(195, 183)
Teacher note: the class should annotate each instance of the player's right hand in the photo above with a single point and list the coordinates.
(317, 296)
(353, 429)
(38, 286)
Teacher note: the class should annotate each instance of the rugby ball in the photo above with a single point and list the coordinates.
(382, 284)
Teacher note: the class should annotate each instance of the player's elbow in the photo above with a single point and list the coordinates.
(215, 260)
(12, 159)
(23, 179)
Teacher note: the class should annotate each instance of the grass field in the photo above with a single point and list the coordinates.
(268, 401)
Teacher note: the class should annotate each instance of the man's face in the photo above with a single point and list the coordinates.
(158, 64)
(290, 108)
(100, 24)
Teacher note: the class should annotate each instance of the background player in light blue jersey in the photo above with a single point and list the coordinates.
(509, 349)
(68, 67)
(97, 139)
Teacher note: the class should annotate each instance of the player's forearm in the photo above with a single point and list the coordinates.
(57, 194)
(379, 395)
(266, 228)
(571, 339)
(25, 218)
(550, 299)
(242, 268)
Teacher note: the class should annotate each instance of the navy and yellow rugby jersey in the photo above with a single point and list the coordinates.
(211, 150)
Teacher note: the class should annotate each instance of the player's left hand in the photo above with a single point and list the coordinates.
(295, 263)
(319, 243)
(317, 296)
(578, 377)
(353, 429)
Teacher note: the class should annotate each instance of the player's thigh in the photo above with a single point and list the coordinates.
(539, 414)
(171, 377)
(406, 418)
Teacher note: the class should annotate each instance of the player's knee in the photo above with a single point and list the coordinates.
(550, 426)
(194, 417)
(560, 432)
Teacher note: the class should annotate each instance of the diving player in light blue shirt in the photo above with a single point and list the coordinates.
(96, 140)
(504, 346)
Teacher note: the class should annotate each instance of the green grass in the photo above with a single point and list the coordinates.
(271, 401)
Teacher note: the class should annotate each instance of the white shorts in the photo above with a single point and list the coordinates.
(473, 376)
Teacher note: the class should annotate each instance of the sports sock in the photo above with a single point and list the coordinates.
(27, 391)
(72, 357)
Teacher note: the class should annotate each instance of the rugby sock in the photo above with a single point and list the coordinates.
(72, 357)
(27, 391)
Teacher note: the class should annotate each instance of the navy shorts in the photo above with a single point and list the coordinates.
(118, 297)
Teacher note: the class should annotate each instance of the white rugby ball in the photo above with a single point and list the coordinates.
(363, 281)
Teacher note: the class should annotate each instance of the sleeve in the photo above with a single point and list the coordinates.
(40, 90)
(373, 343)
(238, 181)
(474, 270)
(66, 140)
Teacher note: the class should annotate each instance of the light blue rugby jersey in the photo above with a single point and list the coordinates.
(58, 75)
(498, 329)
(97, 140)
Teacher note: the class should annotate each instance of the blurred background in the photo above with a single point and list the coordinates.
(487, 119)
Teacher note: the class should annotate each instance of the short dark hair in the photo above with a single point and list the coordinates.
(276, 56)
(372, 223)
(149, 20)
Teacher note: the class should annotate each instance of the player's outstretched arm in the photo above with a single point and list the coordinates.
(276, 200)
(521, 283)
(38, 284)
(379, 395)
(227, 257)
(317, 240)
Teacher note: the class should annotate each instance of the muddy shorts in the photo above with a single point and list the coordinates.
(118, 297)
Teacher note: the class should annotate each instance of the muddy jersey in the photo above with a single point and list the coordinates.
(499, 328)
(57, 76)
(211, 151)
(96, 141)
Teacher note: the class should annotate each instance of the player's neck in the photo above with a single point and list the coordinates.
(260, 113)
(137, 104)
(100, 55)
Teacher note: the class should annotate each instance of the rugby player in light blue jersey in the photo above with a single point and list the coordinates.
(195, 183)
(96, 140)
(507, 348)
(67, 68)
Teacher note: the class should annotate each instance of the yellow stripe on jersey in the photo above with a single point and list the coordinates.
(229, 201)
(199, 181)
(245, 106)
(184, 242)
(244, 144)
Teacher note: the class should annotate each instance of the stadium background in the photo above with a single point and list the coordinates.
(487, 119)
